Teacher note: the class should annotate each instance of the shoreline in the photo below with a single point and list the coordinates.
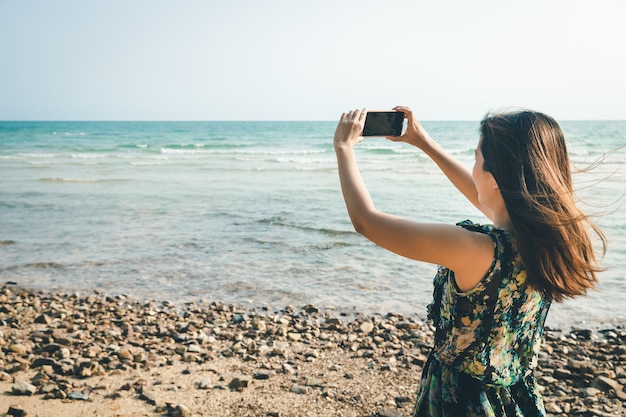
(63, 354)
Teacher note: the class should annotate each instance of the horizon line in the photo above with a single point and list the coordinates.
(248, 120)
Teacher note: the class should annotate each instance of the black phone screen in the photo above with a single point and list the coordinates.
(383, 123)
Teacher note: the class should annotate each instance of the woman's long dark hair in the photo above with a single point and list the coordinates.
(526, 153)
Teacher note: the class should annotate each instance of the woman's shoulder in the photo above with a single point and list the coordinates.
(500, 237)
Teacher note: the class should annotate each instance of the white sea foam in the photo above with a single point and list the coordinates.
(89, 155)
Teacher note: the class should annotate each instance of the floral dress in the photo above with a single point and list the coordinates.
(486, 340)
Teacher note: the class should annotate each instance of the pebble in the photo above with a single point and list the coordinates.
(366, 327)
(298, 389)
(16, 411)
(239, 382)
(389, 412)
(19, 348)
(23, 388)
(178, 410)
(77, 395)
(204, 383)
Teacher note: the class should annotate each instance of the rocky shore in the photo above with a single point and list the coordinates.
(98, 355)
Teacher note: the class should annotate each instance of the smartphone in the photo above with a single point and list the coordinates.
(383, 123)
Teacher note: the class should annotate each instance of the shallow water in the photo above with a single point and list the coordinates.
(252, 213)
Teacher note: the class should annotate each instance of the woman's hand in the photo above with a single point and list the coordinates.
(415, 134)
(349, 129)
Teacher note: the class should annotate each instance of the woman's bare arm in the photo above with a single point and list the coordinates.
(458, 174)
(468, 254)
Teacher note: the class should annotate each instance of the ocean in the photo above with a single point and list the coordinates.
(251, 213)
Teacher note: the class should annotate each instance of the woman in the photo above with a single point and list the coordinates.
(495, 282)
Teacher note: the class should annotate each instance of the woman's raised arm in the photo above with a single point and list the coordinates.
(458, 174)
(468, 254)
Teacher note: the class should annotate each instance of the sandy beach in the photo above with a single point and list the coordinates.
(96, 355)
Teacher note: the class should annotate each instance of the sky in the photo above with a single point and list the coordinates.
(309, 60)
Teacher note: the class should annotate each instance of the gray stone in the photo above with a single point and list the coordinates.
(315, 382)
(148, 396)
(389, 412)
(77, 395)
(23, 388)
(590, 392)
(204, 383)
(605, 384)
(298, 389)
(264, 374)
(553, 408)
(294, 337)
(194, 348)
(288, 369)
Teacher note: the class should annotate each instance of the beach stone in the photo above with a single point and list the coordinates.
(298, 389)
(113, 347)
(77, 395)
(590, 392)
(553, 408)
(40, 362)
(190, 357)
(259, 324)
(148, 396)
(584, 334)
(204, 383)
(389, 412)
(194, 348)
(43, 319)
(40, 378)
(51, 347)
(125, 354)
(333, 323)
(264, 374)
(366, 327)
(288, 368)
(562, 373)
(294, 337)
(19, 349)
(239, 383)
(315, 382)
(238, 318)
(62, 353)
(310, 309)
(177, 411)
(580, 366)
(23, 388)
(48, 388)
(605, 384)
(16, 411)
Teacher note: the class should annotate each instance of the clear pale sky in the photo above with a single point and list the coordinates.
(309, 60)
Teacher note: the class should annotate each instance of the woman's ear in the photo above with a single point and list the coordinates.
(493, 182)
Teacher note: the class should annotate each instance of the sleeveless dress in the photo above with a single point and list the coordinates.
(487, 340)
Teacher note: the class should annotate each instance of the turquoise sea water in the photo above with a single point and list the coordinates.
(252, 213)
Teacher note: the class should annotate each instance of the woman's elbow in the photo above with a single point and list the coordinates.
(361, 225)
